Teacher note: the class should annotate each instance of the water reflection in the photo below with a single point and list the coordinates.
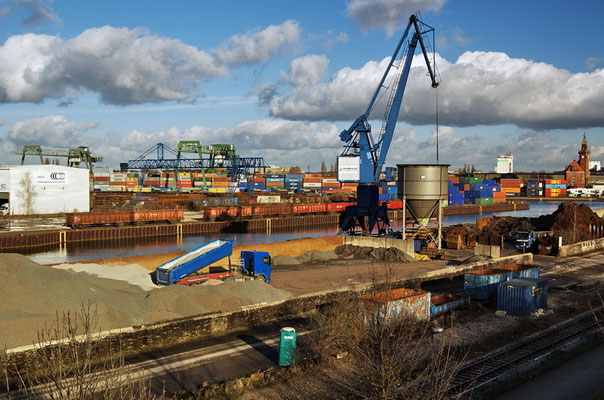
(166, 244)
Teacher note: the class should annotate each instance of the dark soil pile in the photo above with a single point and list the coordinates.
(381, 254)
(571, 221)
(475, 258)
(465, 234)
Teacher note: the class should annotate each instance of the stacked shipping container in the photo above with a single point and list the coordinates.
(534, 188)
(511, 187)
(555, 188)
(474, 190)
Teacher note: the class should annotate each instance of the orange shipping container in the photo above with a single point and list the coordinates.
(510, 189)
(555, 182)
(510, 182)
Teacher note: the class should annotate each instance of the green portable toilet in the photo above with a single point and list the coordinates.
(287, 346)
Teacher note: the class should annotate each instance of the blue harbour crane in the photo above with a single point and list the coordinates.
(363, 157)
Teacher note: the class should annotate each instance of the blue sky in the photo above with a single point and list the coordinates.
(282, 79)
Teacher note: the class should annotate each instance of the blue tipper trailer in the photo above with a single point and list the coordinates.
(172, 271)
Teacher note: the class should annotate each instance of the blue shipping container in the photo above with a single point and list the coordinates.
(523, 270)
(482, 284)
(384, 197)
(444, 302)
(521, 296)
(382, 306)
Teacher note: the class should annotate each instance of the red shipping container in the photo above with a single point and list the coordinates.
(510, 182)
(395, 204)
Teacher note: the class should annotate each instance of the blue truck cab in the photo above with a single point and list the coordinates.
(257, 264)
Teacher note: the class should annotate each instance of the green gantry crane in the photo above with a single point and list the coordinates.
(215, 151)
(81, 154)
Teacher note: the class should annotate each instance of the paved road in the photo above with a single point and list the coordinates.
(189, 366)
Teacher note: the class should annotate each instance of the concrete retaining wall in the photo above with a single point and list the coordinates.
(581, 247)
(380, 242)
(483, 249)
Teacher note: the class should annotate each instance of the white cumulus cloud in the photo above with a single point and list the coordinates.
(388, 15)
(259, 46)
(307, 70)
(124, 66)
(480, 88)
(52, 130)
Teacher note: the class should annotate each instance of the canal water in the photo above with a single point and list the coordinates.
(144, 246)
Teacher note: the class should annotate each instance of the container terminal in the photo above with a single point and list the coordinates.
(514, 293)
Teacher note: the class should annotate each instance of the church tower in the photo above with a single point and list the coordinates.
(584, 158)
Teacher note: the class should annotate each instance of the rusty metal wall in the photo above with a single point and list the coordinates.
(10, 242)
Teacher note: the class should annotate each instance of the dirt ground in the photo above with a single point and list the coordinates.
(335, 275)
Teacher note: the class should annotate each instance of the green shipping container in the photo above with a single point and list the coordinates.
(483, 200)
(287, 346)
(473, 180)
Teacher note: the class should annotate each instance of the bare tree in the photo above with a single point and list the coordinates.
(27, 193)
(388, 355)
(67, 362)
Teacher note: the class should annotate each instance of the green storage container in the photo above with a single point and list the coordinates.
(483, 200)
(473, 180)
(287, 346)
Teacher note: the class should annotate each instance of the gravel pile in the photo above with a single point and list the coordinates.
(310, 257)
(381, 254)
(476, 258)
(32, 294)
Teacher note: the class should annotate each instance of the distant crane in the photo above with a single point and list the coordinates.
(235, 165)
(363, 158)
(74, 157)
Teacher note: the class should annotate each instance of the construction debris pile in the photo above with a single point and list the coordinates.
(31, 296)
(574, 222)
(459, 236)
(378, 254)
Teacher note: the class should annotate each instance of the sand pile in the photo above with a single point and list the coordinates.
(134, 274)
(31, 295)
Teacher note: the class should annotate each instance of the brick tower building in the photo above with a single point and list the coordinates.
(584, 158)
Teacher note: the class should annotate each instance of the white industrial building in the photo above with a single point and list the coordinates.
(505, 164)
(595, 165)
(44, 189)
